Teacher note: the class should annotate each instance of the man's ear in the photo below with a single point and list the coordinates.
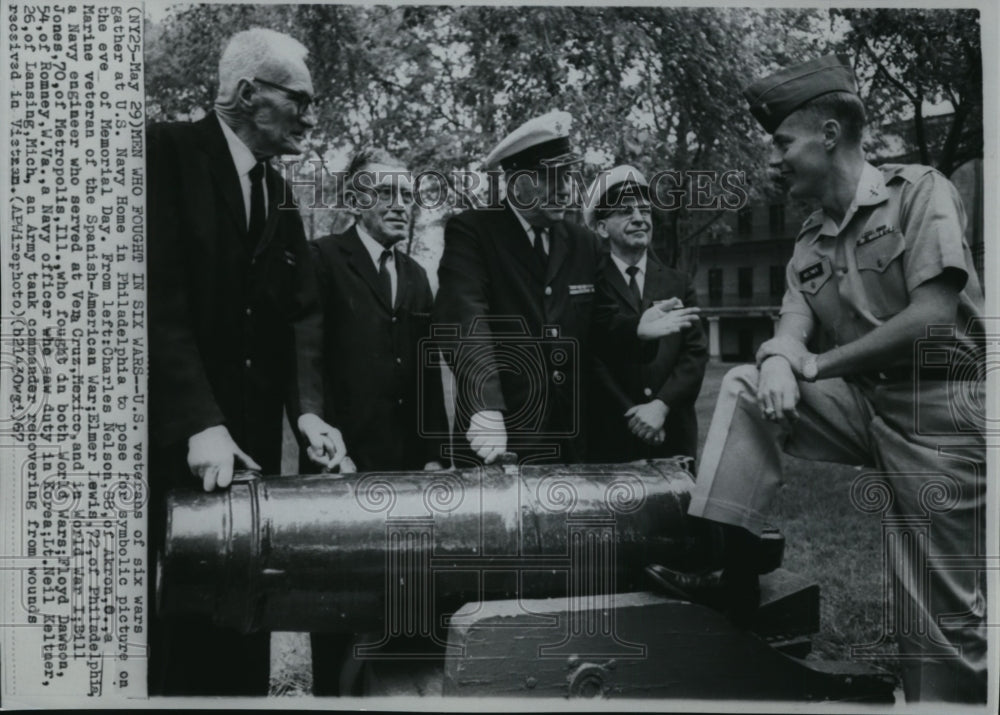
(522, 183)
(351, 201)
(601, 228)
(245, 90)
(831, 133)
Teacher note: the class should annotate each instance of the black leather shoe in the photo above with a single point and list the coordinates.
(696, 587)
(736, 595)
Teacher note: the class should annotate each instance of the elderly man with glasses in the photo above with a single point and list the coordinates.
(641, 409)
(235, 324)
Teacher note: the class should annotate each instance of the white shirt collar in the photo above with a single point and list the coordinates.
(529, 230)
(622, 266)
(374, 247)
(243, 158)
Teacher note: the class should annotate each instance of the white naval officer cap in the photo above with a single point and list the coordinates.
(610, 187)
(542, 141)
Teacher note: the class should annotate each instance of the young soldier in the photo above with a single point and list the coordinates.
(881, 259)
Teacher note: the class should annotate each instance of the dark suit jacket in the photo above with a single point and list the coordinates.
(234, 334)
(378, 388)
(674, 375)
(525, 334)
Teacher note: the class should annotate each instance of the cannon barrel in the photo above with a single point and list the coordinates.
(397, 550)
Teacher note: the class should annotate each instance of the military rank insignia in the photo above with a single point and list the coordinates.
(869, 236)
(810, 272)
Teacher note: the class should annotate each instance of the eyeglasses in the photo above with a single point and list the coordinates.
(303, 100)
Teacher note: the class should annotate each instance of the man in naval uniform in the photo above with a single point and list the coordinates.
(641, 409)
(879, 269)
(520, 283)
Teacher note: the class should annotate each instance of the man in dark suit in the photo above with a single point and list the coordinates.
(234, 322)
(641, 410)
(377, 306)
(378, 388)
(520, 283)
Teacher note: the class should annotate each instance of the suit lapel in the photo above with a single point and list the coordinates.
(360, 262)
(559, 249)
(223, 169)
(617, 281)
(657, 282)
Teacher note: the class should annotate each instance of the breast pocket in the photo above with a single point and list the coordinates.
(880, 265)
(815, 273)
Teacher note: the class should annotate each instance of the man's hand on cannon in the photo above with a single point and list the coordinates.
(211, 454)
(487, 435)
(666, 317)
(326, 445)
(646, 421)
(348, 466)
(777, 390)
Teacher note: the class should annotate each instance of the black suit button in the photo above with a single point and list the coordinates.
(399, 361)
(548, 290)
(647, 392)
(399, 401)
(395, 319)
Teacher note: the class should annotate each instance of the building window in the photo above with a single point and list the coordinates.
(777, 218)
(744, 279)
(744, 221)
(714, 286)
(777, 281)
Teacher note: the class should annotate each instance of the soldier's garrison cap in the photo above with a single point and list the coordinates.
(774, 97)
(542, 141)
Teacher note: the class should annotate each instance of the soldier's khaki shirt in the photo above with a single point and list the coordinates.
(905, 227)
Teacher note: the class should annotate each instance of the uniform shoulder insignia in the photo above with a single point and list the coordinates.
(907, 172)
(814, 219)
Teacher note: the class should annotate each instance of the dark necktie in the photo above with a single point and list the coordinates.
(384, 280)
(256, 227)
(539, 234)
(633, 285)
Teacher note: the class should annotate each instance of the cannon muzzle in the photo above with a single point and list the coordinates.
(397, 550)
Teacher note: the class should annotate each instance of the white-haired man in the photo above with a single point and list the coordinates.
(235, 325)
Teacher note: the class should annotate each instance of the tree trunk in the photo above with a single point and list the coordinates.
(946, 162)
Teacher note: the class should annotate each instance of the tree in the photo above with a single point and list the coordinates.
(657, 87)
(910, 60)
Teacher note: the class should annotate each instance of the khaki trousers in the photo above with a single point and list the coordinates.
(924, 444)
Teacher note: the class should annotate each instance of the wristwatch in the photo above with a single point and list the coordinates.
(809, 369)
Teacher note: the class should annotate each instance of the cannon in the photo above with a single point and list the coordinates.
(511, 579)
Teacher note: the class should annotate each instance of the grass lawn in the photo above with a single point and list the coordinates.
(827, 541)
